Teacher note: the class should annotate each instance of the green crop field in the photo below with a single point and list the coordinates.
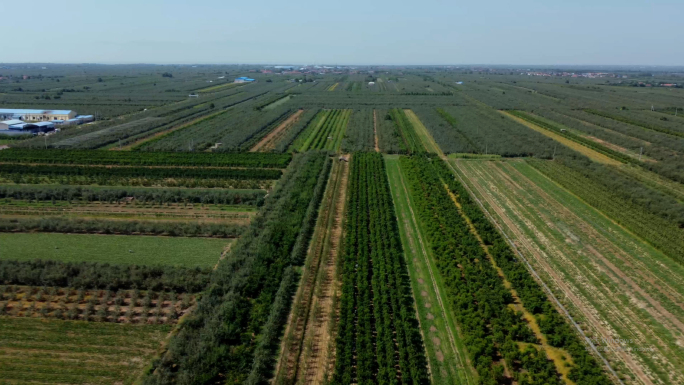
(448, 358)
(116, 249)
(595, 265)
(327, 132)
(75, 352)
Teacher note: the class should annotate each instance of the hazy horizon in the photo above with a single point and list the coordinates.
(584, 33)
(456, 65)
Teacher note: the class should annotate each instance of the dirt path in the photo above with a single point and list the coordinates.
(268, 142)
(225, 252)
(375, 130)
(307, 352)
(317, 358)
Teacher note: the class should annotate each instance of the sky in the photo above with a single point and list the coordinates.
(427, 32)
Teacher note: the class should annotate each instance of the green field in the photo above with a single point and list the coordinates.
(445, 351)
(278, 103)
(115, 249)
(75, 352)
(596, 267)
(328, 132)
(423, 133)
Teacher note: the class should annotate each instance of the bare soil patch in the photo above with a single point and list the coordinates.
(307, 353)
(269, 141)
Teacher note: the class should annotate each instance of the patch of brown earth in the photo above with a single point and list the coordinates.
(268, 142)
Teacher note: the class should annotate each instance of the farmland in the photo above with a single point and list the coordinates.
(261, 295)
(112, 248)
(375, 294)
(594, 264)
(84, 248)
(59, 352)
(514, 303)
(308, 343)
(446, 352)
(367, 225)
(269, 142)
(325, 132)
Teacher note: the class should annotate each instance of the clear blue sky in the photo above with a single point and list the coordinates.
(628, 32)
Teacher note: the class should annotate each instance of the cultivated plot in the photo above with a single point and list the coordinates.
(591, 154)
(423, 133)
(116, 249)
(628, 297)
(75, 352)
(448, 359)
(307, 354)
(269, 142)
(326, 131)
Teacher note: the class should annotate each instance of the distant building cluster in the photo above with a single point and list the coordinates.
(38, 122)
(590, 75)
(306, 70)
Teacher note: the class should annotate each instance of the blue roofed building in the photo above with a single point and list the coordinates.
(85, 118)
(45, 126)
(243, 79)
(25, 128)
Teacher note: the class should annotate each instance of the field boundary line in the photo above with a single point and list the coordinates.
(534, 273)
(423, 132)
(301, 327)
(224, 253)
(318, 325)
(438, 295)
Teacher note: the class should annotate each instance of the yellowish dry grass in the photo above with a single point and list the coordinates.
(424, 135)
(591, 154)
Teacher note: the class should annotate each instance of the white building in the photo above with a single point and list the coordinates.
(36, 115)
